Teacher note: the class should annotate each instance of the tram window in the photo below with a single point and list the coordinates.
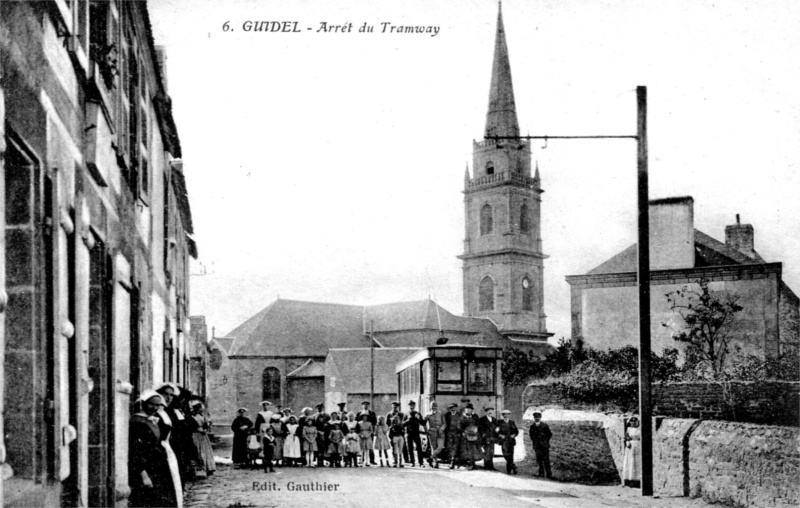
(480, 377)
(425, 377)
(448, 377)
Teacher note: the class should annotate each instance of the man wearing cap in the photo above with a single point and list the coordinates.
(434, 421)
(506, 432)
(452, 420)
(412, 425)
(320, 421)
(486, 428)
(395, 412)
(540, 439)
(373, 419)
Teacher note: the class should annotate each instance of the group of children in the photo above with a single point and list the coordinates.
(341, 443)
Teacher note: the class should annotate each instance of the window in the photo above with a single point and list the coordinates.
(486, 294)
(527, 294)
(486, 219)
(271, 384)
(480, 377)
(490, 168)
(448, 376)
(524, 222)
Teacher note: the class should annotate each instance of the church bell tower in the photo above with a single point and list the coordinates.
(503, 259)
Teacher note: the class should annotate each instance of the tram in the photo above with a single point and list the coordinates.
(453, 373)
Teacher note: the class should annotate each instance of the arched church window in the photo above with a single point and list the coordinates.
(486, 294)
(490, 168)
(524, 221)
(527, 294)
(271, 384)
(486, 219)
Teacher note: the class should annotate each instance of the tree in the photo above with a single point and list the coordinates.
(706, 316)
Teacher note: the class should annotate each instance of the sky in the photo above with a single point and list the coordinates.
(328, 166)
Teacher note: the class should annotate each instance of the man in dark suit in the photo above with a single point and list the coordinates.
(540, 439)
(452, 429)
(486, 428)
(506, 432)
(320, 421)
(371, 418)
(412, 425)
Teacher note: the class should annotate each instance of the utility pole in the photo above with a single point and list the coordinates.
(643, 280)
(372, 364)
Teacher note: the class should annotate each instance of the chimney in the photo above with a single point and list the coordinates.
(740, 237)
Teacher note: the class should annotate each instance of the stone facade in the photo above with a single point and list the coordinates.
(736, 464)
(771, 402)
(95, 245)
(579, 449)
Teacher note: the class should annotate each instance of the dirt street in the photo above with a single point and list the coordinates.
(371, 487)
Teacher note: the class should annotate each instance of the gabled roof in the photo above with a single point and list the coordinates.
(292, 328)
(421, 314)
(708, 252)
(351, 368)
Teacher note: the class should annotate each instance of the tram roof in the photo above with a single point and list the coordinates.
(425, 352)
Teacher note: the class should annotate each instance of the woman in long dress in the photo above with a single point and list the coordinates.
(165, 425)
(632, 460)
(241, 429)
(291, 445)
(148, 467)
(277, 431)
(180, 438)
(205, 454)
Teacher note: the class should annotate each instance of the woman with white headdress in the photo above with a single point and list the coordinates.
(165, 425)
(149, 473)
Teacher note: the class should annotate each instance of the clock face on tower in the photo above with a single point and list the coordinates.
(526, 283)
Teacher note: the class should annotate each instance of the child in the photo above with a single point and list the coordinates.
(365, 431)
(382, 443)
(353, 448)
(310, 444)
(268, 442)
(397, 435)
(253, 448)
(336, 446)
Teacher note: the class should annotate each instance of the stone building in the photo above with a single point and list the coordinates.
(95, 245)
(503, 259)
(301, 354)
(604, 300)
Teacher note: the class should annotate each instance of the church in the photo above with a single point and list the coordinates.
(299, 354)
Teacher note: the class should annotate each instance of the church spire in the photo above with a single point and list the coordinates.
(501, 118)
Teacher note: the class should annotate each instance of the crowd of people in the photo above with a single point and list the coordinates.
(457, 437)
(168, 446)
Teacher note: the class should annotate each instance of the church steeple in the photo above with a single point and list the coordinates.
(501, 118)
(503, 259)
